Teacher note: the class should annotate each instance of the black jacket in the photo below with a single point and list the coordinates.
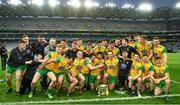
(72, 54)
(124, 66)
(129, 50)
(38, 48)
(17, 58)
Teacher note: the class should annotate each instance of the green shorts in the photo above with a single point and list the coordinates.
(92, 79)
(11, 70)
(44, 71)
(134, 82)
(102, 72)
(58, 74)
(86, 76)
(146, 81)
(161, 84)
(112, 79)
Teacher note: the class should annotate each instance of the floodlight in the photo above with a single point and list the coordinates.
(38, 2)
(53, 3)
(178, 5)
(14, 2)
(74, 3)
(29, 2)
(145, 7)
(127, 5)
(89, 4)
(110, 5)
(96, 4)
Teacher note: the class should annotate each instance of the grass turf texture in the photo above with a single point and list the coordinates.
(173, 62)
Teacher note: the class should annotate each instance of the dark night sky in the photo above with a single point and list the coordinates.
(136, 3)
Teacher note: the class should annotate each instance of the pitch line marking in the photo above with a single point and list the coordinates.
(91, 100)
(175, 81)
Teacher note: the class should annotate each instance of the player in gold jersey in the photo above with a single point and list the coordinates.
(135, 76)
(61, 69)
(147, 67)
(50, 64)
(160, 77)
(99, 48)
(111, 47)
(95, 75)
(159, 51)
(111, 70)
(80, 66)
(105, 43)
(144, 47)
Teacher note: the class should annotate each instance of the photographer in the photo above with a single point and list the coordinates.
(3, 53)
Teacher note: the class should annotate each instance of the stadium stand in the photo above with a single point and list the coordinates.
(79, 24)
(91, 24)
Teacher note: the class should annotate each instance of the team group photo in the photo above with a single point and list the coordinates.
(89, 52)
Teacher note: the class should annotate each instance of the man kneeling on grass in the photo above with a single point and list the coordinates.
(160, 77)
(146, 80)
(135, 76)
(75, 75)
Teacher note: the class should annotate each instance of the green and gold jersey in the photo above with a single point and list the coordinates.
(143, 49)
(54, 66)
(158, 52)
(147, 67)
(112, 66)
(95, 63)
(80, 66)
(159, 72)
(135, 68)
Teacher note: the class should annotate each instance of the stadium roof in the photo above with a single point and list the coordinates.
(119, 3)
(136, 3)
(120, 9)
